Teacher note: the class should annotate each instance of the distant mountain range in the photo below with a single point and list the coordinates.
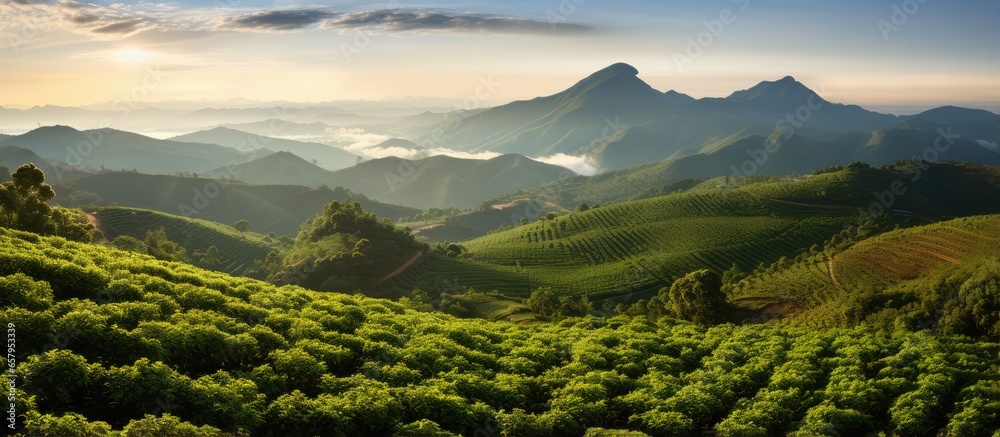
(114, 149)
(437, 181)
(591, 109)
(617, 120)
(328, 157)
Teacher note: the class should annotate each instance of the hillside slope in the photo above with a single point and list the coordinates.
(443, 181)
(280, 168)
(917, 275)
(278, 208)
(627, 249)
(237, 250)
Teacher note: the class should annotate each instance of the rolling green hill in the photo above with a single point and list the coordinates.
(270, 208)
(237, 250)
(481, 221)
(625, 250)
(328, 157)
(443, 181)
(110, 340)
(746, 156)
(13, 157)
(280, 168)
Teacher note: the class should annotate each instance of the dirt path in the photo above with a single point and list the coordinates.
(829, 266)
(93, 220)
(401, 268)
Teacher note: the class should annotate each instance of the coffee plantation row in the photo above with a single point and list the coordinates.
(117, 342)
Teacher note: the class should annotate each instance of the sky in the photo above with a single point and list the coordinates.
(897, 56)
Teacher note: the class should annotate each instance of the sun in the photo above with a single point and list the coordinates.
(133, 55)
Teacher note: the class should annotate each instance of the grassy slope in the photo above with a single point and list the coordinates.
(238, 250)
(636, 247)
(381, 366)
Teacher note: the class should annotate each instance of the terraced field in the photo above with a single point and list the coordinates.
(238, 250)
(925, 251)
(904, 263)
(634, 248)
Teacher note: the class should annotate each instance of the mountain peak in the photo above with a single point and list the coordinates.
(786, 89)
(620, 68)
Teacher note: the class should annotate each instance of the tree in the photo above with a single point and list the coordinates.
(454, 250)
(524, 221)
(23, 199)
(129, 243)
(4, 174)
(698, 296)
(71, 224)
(242, 225)
(546, 302)
(209, 258)
(582, 207)
(158, 245)
(23, 206)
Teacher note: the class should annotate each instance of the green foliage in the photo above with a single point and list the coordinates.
(21, 291)
(23, 206)
(547, 303)
(698, 297)
(160, 247)
(242, 225)
(169, 349)
(208, 259)
(239, 253)
(344, 248)
(129, 243)
(66, 425)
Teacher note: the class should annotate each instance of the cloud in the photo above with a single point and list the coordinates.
(437, 21)
(126, 27)
(277, 20)
(581, 165)
(119, 20)
(369, 146)
(102, 22)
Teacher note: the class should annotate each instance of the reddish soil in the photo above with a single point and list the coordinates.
(401, 268)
